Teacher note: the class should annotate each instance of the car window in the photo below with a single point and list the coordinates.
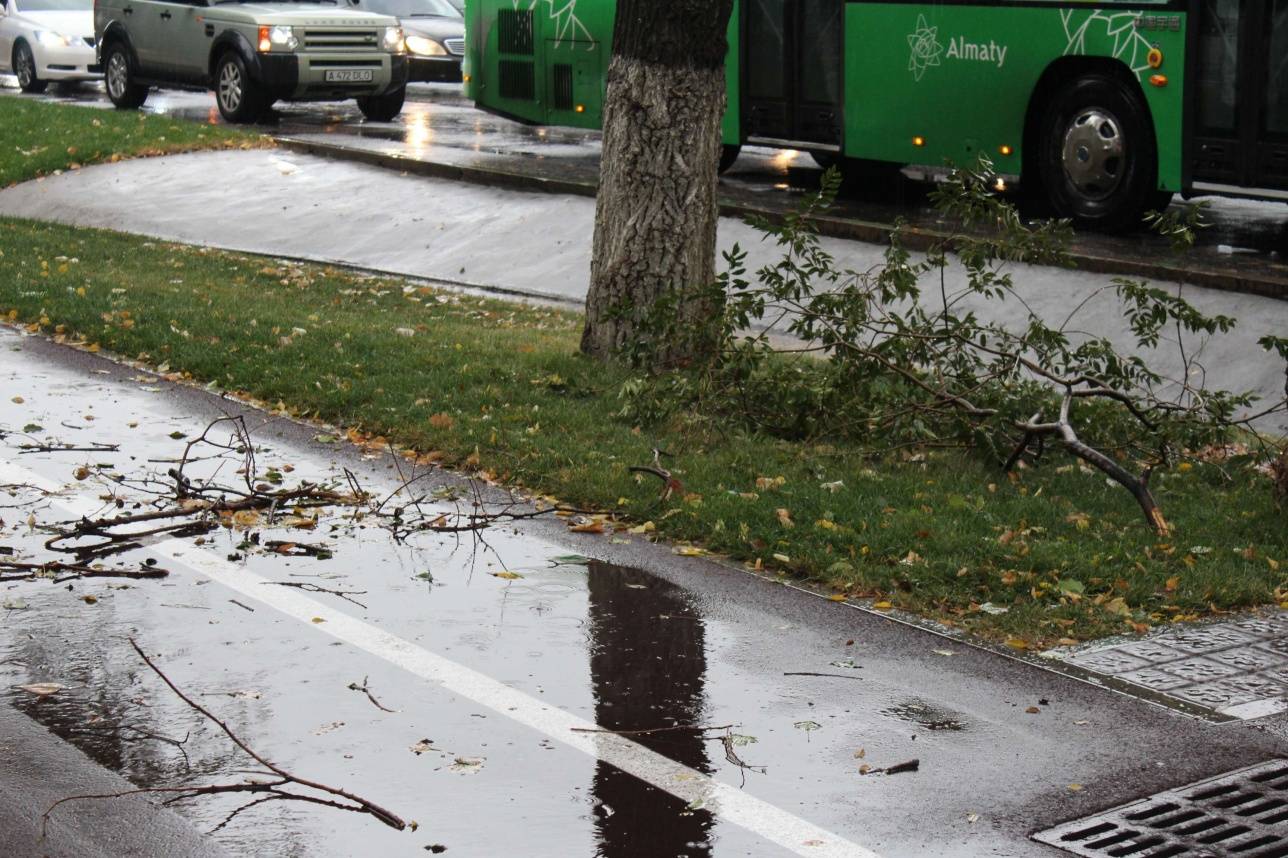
(412, 8)
(54, 5)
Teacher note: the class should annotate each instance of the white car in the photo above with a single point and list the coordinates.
(44, 40)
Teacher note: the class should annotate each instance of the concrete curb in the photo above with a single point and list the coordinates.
(1268, 284)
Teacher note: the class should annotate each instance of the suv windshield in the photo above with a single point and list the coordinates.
(412, 8)
(56, 5)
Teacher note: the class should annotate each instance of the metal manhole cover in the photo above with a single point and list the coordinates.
(1243, 814)
(1234, 669)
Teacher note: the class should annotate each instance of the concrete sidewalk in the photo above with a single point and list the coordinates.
(37, 769)
(510, 241)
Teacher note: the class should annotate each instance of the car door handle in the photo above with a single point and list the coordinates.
(165, 16)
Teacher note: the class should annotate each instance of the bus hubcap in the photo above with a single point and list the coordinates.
(1093, 153)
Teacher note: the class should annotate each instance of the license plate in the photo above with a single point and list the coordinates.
(349, 75)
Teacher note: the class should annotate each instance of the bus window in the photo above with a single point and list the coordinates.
(1218, 65)
(1276, 116)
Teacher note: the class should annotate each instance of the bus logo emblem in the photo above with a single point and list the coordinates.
(925, 48)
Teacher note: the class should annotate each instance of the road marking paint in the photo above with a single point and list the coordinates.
(687, 784)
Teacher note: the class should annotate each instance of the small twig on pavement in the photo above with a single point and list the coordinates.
(353, 686)
(810, 673)
(909, 766)
(314, 588)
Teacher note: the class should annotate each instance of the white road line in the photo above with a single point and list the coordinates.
(687, 784)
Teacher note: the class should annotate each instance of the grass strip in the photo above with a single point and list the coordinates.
(38, 138)
(1051, 554)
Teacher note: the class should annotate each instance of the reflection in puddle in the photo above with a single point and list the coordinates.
(928, 716)
(648, 668)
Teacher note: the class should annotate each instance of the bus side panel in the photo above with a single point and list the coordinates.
(731, 126)
(930, 83)
(568, 63)
(550, 74)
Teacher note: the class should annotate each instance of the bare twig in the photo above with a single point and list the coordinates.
(353, 686)
(314, 588)
(271, 788)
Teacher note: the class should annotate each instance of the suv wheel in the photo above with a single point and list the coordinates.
(121, 88)
(382, 108)
(24, 66)
(239, 98)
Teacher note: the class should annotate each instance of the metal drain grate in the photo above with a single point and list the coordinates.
(1243, 814)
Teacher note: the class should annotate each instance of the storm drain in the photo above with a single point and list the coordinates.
(1243, 813)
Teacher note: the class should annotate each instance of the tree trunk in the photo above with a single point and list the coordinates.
(655, 217)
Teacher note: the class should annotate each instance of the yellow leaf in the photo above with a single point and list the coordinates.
(782, 558)
(246, 518)
(1017, 643)
(836, 597)
(882, 606)
(689, 551)
(825, 524)
(318, 620)
(509, 576)
(588, 527)
(1172, 582)
(784, 517)
(1075, 787)
(646, 527)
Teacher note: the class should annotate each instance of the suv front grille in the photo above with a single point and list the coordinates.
(341, 40)
(455, 46)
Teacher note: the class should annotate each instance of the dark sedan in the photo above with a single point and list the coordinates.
(435, 34)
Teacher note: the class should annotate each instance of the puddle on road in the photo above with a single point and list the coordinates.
(927, 715)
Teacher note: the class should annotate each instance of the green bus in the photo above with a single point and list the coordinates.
(1105, 108)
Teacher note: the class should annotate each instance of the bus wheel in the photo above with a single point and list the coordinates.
(728, 154)
(1099, 161)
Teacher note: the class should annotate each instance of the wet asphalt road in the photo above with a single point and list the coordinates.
(488, 676)
(438, 124)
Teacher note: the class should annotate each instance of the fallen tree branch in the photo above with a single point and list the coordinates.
(270, 790)
(314, 588)
(30, 571)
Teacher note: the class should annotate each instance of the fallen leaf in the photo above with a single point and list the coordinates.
(466, 765)
(688, 551)
(882, 606)
(1075, 787)
(595, 526)
(1033, 710)
(784, 517)
(807, 726)
(89, 599)
(42, 689)
(1017, 643)
(509, 576)
(317, 620)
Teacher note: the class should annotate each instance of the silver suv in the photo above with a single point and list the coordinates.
(252, 53)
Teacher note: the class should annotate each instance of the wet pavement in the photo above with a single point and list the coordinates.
(494, 678)
(1244, 248)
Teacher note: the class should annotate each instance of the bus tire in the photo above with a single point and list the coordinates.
(1099, 159)
(728, 154)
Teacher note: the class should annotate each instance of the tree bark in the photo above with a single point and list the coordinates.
(655, 217)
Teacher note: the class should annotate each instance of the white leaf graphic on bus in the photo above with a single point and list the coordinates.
(924, 48)
(563, 14)
(1103, 29)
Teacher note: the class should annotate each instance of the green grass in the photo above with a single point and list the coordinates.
(39, 138)
(940, 534)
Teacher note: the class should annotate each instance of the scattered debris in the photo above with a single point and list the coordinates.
(900, 768)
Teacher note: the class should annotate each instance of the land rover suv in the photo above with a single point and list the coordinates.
(252, 53)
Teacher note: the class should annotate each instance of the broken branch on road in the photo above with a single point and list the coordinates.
(273, 787)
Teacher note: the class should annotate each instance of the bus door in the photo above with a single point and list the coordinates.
(792, 71)
(1239, 102)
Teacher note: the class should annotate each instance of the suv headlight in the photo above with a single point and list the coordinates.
(424, 47)
(279, 37)
(393, 40)
(52, 40)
